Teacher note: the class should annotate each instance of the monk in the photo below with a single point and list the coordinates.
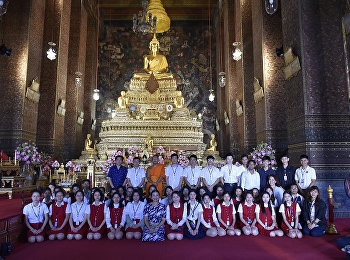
(155, 175)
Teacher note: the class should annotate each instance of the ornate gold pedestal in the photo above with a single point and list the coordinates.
(155, 108)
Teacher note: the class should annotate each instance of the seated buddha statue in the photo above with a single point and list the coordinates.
(212, 143)
(88, 143)
(122, 100)
(179, 101)
(154, 63)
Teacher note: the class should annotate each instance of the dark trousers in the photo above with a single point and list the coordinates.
(230, 188)
(315, 232)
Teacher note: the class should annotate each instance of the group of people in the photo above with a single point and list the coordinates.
(198, 202)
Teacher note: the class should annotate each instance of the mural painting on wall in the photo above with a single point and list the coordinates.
(186, 46)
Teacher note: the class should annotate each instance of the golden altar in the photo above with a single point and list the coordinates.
(152, 108)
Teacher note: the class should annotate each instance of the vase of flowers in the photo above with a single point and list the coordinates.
(28, 156)
(45, 165)
(263, 149)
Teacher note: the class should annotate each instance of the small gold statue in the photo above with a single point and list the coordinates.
(88, 143)
(122, 100)
(149, 142)
(212, 143)
(179, 101)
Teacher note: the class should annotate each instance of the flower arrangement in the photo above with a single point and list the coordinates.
(28, 153)
(263, 149)
(69, 164)
(130, 154)
(183, 160)
(55, 164)
(73, 167)
(163, 155)
(77, 168)
(45, 163)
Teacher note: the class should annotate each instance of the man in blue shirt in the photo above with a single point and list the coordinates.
(117, 173)
(265, 171)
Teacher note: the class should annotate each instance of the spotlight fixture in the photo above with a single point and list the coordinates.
(280, 51)
(51, 52)
(271, 6)
(3, 6)
(5, 51)
(96, 95)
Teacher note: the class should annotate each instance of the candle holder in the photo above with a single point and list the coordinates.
(331, 230)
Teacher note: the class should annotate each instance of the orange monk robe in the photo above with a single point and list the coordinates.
(155, 173)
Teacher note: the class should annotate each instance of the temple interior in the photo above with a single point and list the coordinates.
(237, 70)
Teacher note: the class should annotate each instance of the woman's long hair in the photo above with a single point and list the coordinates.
(308, 195)
(268, 203)
(276, 179)
(188, 203)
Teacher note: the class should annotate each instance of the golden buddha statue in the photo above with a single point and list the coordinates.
(212, 143)
(88, 143)
(179, 101)
(149, 143)
(154, 63)
(122, 100)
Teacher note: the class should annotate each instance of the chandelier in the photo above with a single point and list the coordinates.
(3, 6)
(271, 6)
(152, 18)
(236, 53)
(51, 52)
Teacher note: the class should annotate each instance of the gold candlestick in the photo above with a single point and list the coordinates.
(331, 230)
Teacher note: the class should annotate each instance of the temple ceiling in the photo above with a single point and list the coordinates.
(176, 9)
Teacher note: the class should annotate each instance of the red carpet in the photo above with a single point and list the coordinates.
(243, 247)
(10, 208)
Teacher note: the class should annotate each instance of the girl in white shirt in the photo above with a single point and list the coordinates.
(133, 214)
(227, 216)
(95, 214)
(77, 221)
(209, 220)
(176, 214)
(36, 217)
(247, 216)
(115, 219)
(194, 229)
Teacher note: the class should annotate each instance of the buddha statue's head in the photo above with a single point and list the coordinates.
(154, 45)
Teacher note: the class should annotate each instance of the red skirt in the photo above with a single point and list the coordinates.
(36, 226)
(63, 230)
(235, 226)
(81, 231)
(109, 230)
(168, 230)
(101, 231)
(264, 231)
(130, 229)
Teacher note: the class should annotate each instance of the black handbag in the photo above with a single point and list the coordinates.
(6, 248)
